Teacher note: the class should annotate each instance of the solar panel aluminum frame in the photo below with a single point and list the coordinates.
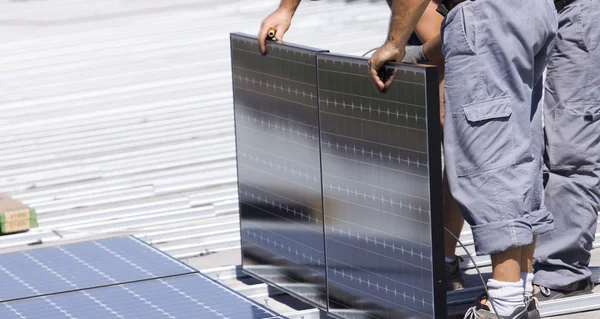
(263, 272)
(435, 179)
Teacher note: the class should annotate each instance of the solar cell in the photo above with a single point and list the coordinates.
(83, 265)
(278, 156)
(184, 296)
(381, 173)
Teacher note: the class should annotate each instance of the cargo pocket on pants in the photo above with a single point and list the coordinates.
(575, 140)
(484, 136)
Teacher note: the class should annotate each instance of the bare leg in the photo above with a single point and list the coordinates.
(527, 256)
(506, 266)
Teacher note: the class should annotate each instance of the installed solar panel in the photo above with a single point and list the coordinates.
(381, 190)
(279, 176)
(83, 265)
(185, 296)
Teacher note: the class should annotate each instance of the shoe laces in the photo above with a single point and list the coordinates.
(471, 313)
(481, 303)
(537, 302)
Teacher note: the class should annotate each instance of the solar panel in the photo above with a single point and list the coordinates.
(83, 265)
(184, 296)
(381, 171)
(279, 175)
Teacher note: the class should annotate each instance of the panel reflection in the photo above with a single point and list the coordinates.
(376, 192)
(277, 138)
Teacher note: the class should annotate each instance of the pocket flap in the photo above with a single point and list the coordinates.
(590, 110)
(488, 109)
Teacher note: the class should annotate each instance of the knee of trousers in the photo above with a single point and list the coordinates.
(541, 221)
(503, 206)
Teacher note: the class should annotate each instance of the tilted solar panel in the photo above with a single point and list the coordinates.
(381, 173)
(185, 296)
(279, 175)
(83, 265)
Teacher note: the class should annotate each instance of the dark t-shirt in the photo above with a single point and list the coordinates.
(414, 40)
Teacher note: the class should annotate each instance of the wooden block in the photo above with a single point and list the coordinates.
(15, 216)
(12, 209)
(15, 226)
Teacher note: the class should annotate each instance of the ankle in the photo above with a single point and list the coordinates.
(450, 260)
(505, 297)
(527, 279)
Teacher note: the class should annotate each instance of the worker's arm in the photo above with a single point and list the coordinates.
(279, 21)
(429, 24)
(431, 51)
(405, 15)
(428, 31)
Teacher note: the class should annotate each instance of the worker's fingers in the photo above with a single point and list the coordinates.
(262, 38)
(279, 35)
(374, 67)
(379, 85)
(390, 79)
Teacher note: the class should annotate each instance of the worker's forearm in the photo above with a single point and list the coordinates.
(289, 5)
(432, 49)
(405, 15)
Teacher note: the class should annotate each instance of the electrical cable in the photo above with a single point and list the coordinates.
(476, 268)
(370, 51)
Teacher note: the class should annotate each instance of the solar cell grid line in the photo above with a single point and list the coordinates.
(184, 296)
(381, 171)
(83, 265)
(279, 168)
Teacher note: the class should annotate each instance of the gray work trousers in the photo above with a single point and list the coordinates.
(572, 127)
(495, 53)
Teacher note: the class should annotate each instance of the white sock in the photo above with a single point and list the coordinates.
(527, 278)
(505, 296)
(450, 260)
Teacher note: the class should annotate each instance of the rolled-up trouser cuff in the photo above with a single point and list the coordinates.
(496, 237)
(541, 221)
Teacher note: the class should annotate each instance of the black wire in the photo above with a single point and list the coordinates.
(476, 268)
(370, 51)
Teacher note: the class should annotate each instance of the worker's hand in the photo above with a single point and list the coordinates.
(280, 21)
(388, 52)
(414, 54)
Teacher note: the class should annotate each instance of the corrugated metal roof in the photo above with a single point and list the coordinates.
(117, 118)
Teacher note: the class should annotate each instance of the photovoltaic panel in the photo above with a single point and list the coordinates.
(185, 296)
(83, 265)
(279, 176)
(381, 173)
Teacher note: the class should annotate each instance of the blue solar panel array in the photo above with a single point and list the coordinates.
(83, 265)
(185, 296)
(113, 278)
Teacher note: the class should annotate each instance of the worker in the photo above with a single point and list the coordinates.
(427, 29)
(495, 53)
(572, 127)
